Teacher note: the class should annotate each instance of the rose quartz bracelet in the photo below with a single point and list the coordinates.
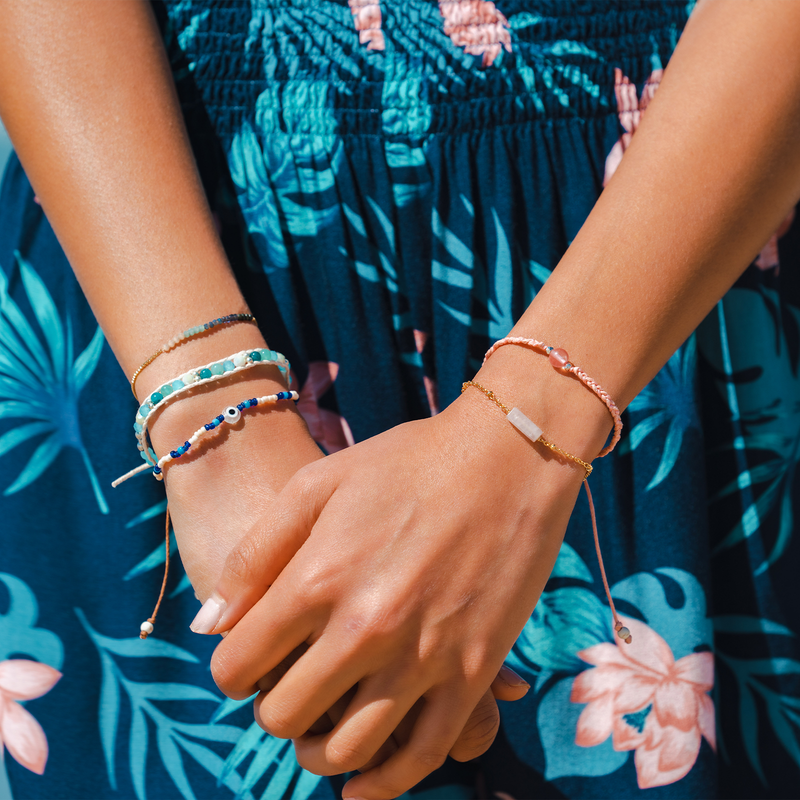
(559, 359)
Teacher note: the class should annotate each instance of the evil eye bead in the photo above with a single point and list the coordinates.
(232, 415)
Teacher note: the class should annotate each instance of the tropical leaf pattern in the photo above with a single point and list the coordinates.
(394, 182)
(41, 381)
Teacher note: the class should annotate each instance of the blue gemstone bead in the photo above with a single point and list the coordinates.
(137, 427)
(204, 373)
(156, 397)
(227, 365)
(144, 410)
(255, 355)
(216, 369)
(177, 384)
(166, 389)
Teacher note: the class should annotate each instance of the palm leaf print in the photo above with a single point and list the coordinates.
(669, 399)
(174, 738)
(271, 756)
(40, 382)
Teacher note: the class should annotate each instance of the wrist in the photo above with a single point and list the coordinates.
(570, 415)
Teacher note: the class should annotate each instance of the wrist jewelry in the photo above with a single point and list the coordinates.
(559, 359)
(171, 390)
(231, 415)
(189, 333)
(533, 432)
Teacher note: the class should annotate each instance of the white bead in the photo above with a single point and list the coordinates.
(232, 414)
(240, 359)
(623, 633)
(146, 627)
(189, 378)
(524, 425)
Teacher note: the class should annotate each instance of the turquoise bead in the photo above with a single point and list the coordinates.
(166, 389)
(156, 397)
(255, 355)
(204, 373)
(137, 427)
(266, 355)
(144, 410)
(227, 365)
(177, 384)
(217, 369)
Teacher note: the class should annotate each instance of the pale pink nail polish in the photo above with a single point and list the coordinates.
(209, 615)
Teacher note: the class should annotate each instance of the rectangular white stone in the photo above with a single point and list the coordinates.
(524, 425)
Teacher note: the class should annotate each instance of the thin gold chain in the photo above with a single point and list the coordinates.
(506, 410)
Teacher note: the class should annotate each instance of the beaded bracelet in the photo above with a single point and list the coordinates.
(231, 415)
(559, 359)
(533, 432)
(238, 362)
(189, 333)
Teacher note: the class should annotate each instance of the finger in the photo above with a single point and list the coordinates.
(508, 685)
(263, 552)
(372, 716)
(480, 730)
(259, 644)
(327, 722)
(307, 691)
(434, 734)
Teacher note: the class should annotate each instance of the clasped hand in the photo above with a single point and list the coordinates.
(403, 568)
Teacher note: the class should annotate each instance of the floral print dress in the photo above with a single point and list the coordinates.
(394, 181)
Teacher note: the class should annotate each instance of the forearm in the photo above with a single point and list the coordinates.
(711, 171)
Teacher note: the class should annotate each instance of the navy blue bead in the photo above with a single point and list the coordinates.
(156, 470)
(174, 453)
(220, 418)
(241, 406)
(186, 446)
(254, 402)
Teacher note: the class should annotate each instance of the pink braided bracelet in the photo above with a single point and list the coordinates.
(559, 359)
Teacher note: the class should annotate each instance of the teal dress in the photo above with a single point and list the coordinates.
(394, 182)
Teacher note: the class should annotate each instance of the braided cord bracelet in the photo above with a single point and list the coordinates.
(559, 359)
(532, 431)
(238, 362)
(189, 333)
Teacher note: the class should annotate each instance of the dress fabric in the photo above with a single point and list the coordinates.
(394, 181)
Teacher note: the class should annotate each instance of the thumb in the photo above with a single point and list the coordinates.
(262, 553)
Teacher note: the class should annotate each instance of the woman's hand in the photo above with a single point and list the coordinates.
(414, 560)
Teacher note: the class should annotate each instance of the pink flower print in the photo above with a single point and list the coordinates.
(477, 26)
(647, 702)
(420, 340)
(630, 109)
(768, 257)
(367, 15)
(327, 429)
(21, 734)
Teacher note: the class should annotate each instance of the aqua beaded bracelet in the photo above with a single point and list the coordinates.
(231, 415)
(238, 362)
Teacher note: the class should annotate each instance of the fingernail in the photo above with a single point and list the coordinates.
(209, 615)
(507, 675)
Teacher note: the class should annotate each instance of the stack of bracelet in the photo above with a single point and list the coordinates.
(177, 387)
(559, 360)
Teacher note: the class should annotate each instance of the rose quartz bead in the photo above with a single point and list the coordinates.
(559, 358)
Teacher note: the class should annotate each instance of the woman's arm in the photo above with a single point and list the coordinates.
(423, 551)
(87, 97)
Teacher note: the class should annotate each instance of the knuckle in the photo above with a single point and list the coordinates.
(479, 734)
(242, 561)
(346, 754)
(277, 722)
(224, 670)
(429, 758)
